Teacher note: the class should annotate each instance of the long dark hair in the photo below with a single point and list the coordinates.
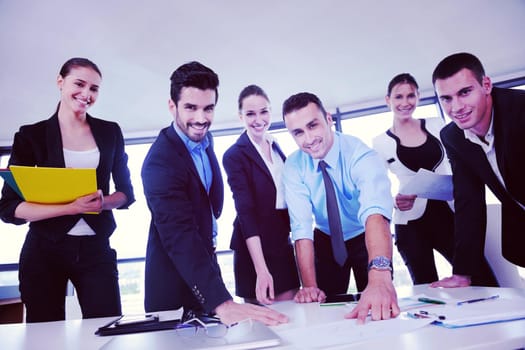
(77, 62)
(251, 90)
(401, 78)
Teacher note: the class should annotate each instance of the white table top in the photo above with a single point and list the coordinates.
(307, 320)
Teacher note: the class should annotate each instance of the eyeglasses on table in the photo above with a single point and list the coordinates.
(214, 329)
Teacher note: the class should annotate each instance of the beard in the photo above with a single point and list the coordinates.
(194, 131)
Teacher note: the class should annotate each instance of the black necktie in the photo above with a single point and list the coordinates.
(334, 220)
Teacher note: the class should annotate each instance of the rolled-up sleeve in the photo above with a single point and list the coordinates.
(371, 177)
(297, 196)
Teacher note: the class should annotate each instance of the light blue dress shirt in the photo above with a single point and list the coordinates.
(197, 151)
(361, 185)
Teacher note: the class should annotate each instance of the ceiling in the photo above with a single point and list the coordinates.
(344, 51)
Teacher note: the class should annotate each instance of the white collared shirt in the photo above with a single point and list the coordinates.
(487, 147)
(275, 167)
(489, 150)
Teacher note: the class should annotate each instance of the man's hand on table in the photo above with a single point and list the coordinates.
(379, 299)
(309, 295)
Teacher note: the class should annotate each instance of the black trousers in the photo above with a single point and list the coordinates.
(417, 240)
(332, 278)
(434, 230)
(46, 266)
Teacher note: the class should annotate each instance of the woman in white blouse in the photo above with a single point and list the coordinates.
(421, 225)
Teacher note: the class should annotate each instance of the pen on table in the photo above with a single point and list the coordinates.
(332, 304)
(430, 301)
(417, 315)
(424, 312)
(476, 300)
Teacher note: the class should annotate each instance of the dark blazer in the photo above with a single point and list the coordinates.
(471, 172)
(254, 195)
(41, 144)
(181, 266)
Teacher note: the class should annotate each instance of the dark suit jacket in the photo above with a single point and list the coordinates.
(471, 172)
(181, 266)
(41, 144)
(254, 195)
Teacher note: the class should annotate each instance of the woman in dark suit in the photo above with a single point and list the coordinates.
(264, 262)
(64, 243)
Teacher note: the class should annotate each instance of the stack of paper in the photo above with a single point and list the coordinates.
(427, 184)
(474, 312)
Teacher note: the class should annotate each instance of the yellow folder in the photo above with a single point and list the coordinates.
(54, 185)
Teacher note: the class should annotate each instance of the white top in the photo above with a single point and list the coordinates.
(490, 151)
(275, 167)
(81, 159)
(386, 147)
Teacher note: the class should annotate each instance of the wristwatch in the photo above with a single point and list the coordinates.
(381, 263)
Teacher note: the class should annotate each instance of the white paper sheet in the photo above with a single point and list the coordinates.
(481, 312)
(344, 332)
(427, 184)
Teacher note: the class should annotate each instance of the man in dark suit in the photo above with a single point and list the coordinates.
(486, 146)
(184, 191)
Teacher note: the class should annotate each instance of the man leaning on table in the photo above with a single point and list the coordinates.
(328, 161)
(486, 147)
(184, 191)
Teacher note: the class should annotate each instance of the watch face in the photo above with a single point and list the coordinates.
(381, 262)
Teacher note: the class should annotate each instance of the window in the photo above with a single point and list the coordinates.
(11, 236)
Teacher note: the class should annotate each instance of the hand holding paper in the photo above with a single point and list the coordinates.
(92, 203)
(427, 184)
(405, 201)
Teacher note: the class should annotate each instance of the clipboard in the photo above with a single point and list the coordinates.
(47, 185)
(474, 313)
(136, 324)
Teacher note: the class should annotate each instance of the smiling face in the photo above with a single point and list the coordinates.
(403, 100)
(255, 114)
(79, 89)
(311, 130)
(467, 102)
(193, 114)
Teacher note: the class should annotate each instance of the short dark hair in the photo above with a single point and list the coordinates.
(454, 63)
(76, 62)
(249, 91)
(301, 100)
(193, 74)
(404, 78)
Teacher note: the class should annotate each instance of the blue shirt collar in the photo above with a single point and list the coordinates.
(332, 156)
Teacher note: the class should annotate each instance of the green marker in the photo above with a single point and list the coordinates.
(430, 301)
(338, 303)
